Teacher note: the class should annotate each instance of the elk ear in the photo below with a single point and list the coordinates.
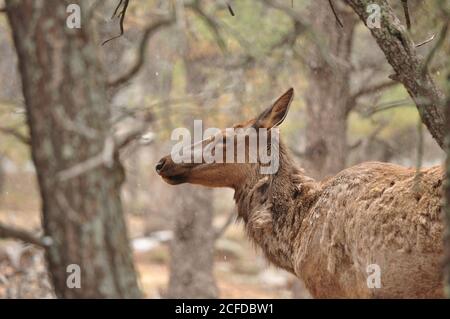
(275, 114)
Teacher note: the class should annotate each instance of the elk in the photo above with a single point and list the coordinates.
(330, 233)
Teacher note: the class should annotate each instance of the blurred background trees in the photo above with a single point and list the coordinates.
(183, 60)
(68, 116)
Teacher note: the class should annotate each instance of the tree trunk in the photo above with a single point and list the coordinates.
(329, 93)
(2, 175)
(69, 120)
(400, 52)
(327, 97)
(192, 248)
(447, 195)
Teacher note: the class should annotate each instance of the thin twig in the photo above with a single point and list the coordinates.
(230, 9)
(74, 125)
(372, 137)
(426, 41)
(331, 60)
(375, 88)
(407, 17)
(436, 47)
(106, 157)
(399, 49)
(133, 70)
(210, 22)
(368, 91)
(8, 232)
(388, 106)
(338, 20)
(82, 168)
(121, 16)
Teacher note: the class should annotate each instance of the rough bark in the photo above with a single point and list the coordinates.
(400, 52)
(192, 248)
(447, 195)
(328, 95)
(68, 116)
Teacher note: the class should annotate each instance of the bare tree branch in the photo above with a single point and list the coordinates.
(387, 106)
(369, 139)
(210, 22)
(368, 91)
(16, 134)
(355, 145)
(128, 137)
(298, 19)
(288, 39)
(426, 41)
(407, 17)
(374, 88)
(91, 163)
(8, 232)
(133, 70)
(400, 52)
(436, 47)
(287, 10)
(73, 125)
(121, 17)
(112, 145)
(338, 20)
(230, 9)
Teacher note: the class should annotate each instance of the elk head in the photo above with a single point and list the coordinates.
(227, 157)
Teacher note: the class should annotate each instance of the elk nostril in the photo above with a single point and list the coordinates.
(160, 165)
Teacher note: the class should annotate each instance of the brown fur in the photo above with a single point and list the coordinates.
(328, 232)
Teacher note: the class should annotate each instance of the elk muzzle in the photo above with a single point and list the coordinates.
(171, 172)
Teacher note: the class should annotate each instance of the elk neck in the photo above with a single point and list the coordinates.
(274, 206)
